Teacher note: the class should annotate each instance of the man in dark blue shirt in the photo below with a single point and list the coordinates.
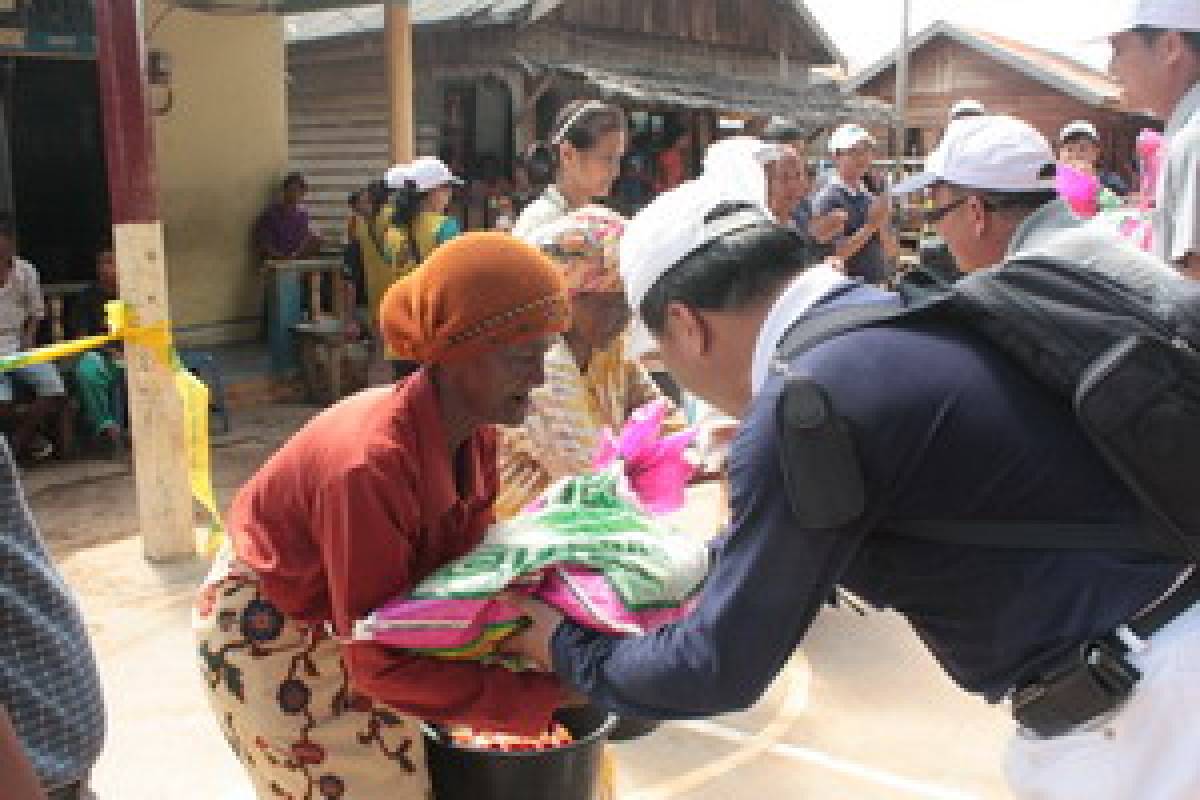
(944, 428)
(868, 246)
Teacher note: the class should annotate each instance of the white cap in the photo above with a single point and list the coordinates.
(847, 136)
(668, 230)
(1171, 15)
(967, 107)
(1079, 126)
(394, 176)
(1000, 154)
(426, 172)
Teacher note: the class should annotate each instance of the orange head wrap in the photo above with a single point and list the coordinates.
(476, 293)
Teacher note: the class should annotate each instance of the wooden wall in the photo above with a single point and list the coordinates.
(337, 102)
(762, 26)
(945, 71)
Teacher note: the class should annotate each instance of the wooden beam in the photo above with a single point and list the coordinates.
(398, 47)
(164, 499)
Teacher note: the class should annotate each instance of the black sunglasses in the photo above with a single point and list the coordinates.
(933, 216)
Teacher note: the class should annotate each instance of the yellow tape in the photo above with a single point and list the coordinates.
(122, 324)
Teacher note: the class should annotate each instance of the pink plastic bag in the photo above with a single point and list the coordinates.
(655, 467)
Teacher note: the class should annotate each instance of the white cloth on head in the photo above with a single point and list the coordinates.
(673, 225)
(735, 167)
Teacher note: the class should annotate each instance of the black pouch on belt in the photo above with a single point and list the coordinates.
(1097, 681)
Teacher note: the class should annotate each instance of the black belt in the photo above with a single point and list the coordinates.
(1099, 678)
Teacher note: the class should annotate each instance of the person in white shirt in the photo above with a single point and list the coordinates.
(1156, 59)
(21, 310)
(584, 155)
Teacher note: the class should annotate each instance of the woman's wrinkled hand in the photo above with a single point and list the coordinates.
(533, 642)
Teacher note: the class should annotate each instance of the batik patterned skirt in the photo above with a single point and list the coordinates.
(282, 698)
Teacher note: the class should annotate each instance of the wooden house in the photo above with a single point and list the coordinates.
(489, 75)
(950, 63)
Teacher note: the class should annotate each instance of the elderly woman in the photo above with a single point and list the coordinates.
(591, 382)
(366, 500)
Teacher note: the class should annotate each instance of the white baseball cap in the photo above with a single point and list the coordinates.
(394, 176)
(426, 172)
(996, 153)
(967, 108)
(1171, 15)
(672, 227)
(847, 136)
(1076, 128)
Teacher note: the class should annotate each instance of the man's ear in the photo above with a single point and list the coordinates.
(978, 216)
(688, 329)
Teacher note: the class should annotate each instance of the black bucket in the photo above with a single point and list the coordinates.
(629, 728)
(563, 773)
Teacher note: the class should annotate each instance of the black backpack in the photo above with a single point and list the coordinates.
(1121, 344)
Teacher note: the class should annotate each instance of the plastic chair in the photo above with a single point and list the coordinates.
(204, 367)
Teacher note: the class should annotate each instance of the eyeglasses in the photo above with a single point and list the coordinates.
(935, 215)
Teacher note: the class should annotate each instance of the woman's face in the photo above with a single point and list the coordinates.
(598, 318)
(596, 168)
(438, 199)
(495, 387)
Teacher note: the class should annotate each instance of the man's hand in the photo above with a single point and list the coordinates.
(880, 213)
(534, 642)
(828, 227)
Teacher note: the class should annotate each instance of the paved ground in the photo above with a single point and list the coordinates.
(862, 713)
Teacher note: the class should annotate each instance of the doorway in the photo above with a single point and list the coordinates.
(55, 161)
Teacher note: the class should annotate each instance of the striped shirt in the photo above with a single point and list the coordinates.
(48, 679)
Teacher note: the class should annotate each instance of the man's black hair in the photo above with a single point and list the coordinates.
(1151, 34)
(7, 228)
(731, 272)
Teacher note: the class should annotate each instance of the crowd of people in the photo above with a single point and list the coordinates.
(909, 460)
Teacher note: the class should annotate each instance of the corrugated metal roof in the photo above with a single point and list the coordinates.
(363, 18)
(369, 17)
(815, 105)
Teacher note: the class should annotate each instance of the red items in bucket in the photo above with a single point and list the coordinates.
(462, 736)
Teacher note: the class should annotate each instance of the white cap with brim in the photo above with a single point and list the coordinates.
(997, 153)
(666, 232)
(847, 137)
(395, 175)
(1080, 127)
(1170, 15)
(426, 172)
(967, 108)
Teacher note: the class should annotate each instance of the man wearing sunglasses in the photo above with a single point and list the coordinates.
(991, 194)
(845, 447)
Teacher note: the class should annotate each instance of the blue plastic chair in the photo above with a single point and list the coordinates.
(204, 367)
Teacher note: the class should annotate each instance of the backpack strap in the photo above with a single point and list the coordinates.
(814, 329)
(1018, 535)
